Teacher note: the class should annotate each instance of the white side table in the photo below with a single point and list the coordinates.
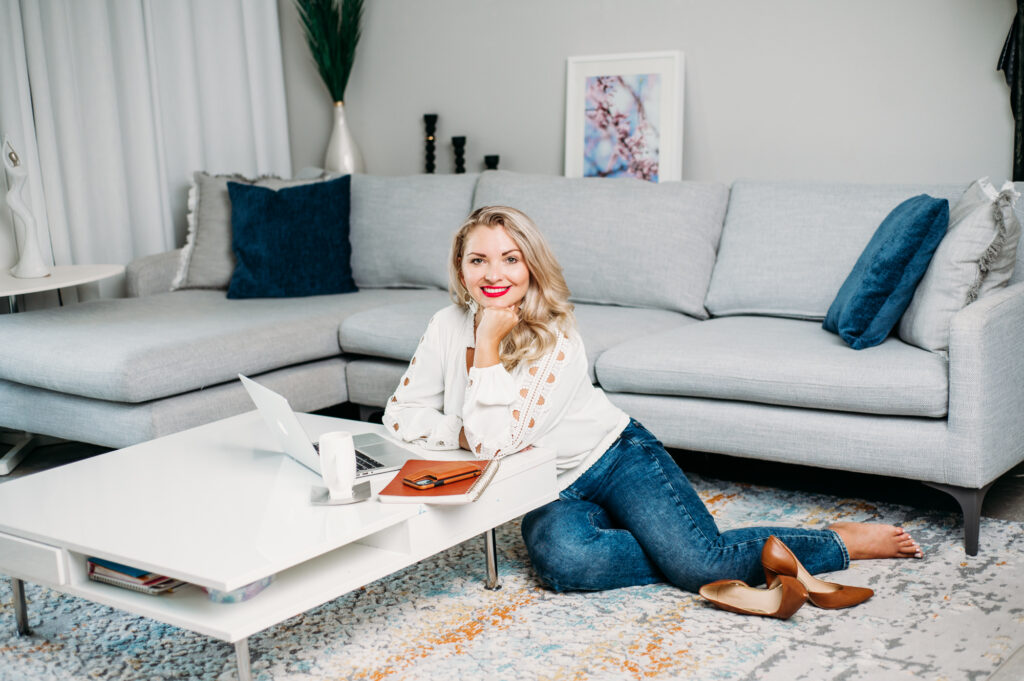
(62, 276)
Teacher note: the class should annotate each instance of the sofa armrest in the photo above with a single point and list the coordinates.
(986, 386)
(151, 274)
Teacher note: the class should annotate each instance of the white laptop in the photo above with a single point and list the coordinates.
(374, 454)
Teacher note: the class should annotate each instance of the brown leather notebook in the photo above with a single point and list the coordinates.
(461, 491)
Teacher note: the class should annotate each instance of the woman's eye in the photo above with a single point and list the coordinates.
(475, 261)
(511, 260)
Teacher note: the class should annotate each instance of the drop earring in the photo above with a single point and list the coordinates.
(472, 304)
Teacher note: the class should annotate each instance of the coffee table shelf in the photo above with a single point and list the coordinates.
(291, 593)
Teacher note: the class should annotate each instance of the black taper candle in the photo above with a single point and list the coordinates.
(459, 145)
(430, 121)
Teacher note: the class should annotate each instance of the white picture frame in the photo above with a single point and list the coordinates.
(643, 91)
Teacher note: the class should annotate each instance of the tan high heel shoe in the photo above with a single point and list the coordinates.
(779, 562)
(780, 601)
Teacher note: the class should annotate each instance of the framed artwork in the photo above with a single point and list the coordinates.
(624, 116)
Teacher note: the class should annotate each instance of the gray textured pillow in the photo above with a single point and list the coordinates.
(401, 228)
(622, 241)
(207, 260)
(976, 256)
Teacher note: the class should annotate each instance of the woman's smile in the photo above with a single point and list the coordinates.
(495, 291)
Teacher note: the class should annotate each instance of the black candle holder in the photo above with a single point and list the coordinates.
(430, 122)
(491, 162)
(459, 146)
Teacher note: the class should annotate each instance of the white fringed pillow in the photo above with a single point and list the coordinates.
(207, 260)
(975, 257)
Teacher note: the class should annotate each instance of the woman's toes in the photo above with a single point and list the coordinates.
(911, 547)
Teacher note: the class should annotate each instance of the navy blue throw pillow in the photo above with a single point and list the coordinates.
(878, 290)
(291, 242)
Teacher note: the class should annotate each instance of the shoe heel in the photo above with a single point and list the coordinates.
(777, 559)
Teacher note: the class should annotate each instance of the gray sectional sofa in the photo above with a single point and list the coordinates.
(699, 304)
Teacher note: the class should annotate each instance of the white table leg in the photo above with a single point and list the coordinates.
(21, 445)
(242, 653)
(20, 609)
(491, 545)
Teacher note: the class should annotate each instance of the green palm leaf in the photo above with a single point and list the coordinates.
(332, 32)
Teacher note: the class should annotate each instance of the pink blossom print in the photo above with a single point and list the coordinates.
(620, 134)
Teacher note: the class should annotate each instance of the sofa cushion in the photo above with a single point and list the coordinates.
(371, 382)
(394, 331)
(308, 387)
(976, 257)
(787, 247)
(207, 260)
(605, 326)
(138, 349)
(391, 331)
(401, 228)
(779, 361)
(622, 241)
(878, 290)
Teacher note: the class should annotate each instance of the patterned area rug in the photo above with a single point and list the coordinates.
(948, 616)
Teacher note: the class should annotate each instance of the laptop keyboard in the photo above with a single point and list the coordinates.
(363, 462)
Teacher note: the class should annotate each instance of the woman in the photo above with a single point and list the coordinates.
(504, 368)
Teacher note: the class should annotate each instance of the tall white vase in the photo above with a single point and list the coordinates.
(30, 259)
(342, 153)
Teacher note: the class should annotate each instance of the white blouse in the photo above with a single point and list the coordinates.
(549, 402)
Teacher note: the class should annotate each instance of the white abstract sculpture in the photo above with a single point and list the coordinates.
(30, 261)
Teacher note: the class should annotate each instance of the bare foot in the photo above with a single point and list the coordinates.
(873, 540)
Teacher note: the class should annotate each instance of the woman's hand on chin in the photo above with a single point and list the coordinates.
(495, 324)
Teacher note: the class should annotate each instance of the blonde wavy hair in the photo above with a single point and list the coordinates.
(545, 310)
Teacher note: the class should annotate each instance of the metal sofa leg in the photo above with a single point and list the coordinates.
(970, 500)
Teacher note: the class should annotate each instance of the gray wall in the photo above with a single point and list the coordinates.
(873, 90)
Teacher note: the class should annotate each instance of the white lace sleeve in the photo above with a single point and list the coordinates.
(415, 412)
(502, 415)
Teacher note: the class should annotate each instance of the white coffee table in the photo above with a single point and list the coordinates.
(219, 506)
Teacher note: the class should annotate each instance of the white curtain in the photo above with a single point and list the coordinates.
(127, 99)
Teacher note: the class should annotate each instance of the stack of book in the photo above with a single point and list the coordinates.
(109, 572)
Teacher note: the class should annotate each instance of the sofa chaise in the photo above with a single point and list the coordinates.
(700, 306)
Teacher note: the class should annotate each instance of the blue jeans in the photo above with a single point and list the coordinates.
(633, 518)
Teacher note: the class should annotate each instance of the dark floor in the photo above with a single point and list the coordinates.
(1005, 500)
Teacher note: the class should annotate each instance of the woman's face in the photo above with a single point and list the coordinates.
(492, 268)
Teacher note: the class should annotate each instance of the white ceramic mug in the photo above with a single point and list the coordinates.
(338, 463)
